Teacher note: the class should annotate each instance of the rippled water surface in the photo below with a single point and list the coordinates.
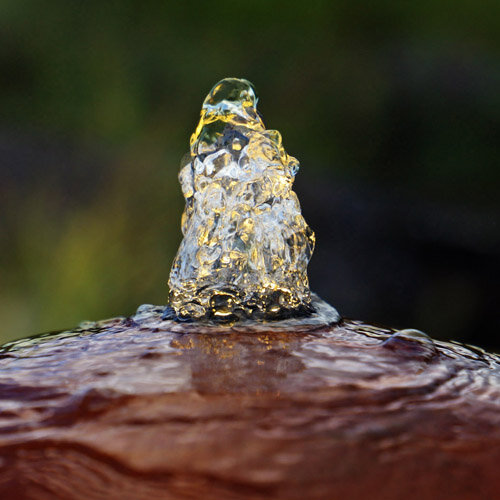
(264, 411)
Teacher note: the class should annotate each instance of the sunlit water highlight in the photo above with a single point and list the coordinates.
(246, 245)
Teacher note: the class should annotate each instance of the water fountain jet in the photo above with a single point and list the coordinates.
(246, 245)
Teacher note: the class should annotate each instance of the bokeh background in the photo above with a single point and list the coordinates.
(393, 109)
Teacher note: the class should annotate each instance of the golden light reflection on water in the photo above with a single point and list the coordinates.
(246, 245)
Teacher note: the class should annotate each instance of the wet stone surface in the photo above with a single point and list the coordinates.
(145, 407)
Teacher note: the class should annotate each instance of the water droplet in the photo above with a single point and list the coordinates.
(412, 344)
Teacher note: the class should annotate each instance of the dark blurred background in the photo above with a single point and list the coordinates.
(393, 109)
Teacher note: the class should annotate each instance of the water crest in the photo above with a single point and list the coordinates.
(246, 246)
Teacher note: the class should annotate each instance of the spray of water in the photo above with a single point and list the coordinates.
(246, 246)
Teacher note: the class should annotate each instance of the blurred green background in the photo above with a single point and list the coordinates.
(393, 109)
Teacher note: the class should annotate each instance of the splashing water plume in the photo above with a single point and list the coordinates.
(246, 245)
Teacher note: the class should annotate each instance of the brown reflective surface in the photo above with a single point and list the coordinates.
(118, 409)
